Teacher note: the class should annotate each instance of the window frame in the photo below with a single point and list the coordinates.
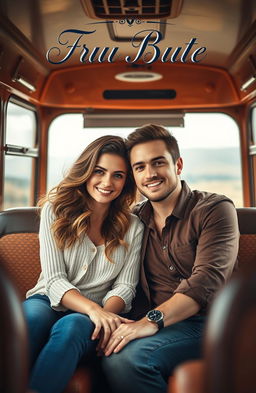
(252, 153)
(23, 151)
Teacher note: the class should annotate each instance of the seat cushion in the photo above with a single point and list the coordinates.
(19, 253)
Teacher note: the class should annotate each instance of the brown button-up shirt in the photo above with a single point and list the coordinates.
(195, 254)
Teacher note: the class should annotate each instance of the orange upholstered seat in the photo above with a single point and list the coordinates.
(19, 254)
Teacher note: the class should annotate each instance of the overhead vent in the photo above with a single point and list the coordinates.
(163, 94)
(120, 9)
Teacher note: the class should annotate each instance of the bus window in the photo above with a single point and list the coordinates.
(254, 125)
(20, 153)
(252, 150)
(209, 145)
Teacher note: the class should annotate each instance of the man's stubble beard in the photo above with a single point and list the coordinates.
(163, 197)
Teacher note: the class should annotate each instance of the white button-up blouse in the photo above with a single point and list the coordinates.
(85, 267)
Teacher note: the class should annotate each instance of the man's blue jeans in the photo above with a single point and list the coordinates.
(58, 341)
(145, 364)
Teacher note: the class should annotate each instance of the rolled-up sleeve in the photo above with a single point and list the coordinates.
(126, 281)
(52, 260)
(216, 253)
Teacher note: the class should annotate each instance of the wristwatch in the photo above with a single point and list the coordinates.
(157, 317)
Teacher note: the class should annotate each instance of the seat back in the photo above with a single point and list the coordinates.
(19, 246)
(19, 253)
(230, 342)
(13, 339)
(247, 246)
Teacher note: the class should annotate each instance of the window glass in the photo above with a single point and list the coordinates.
(254, 125)
(18, 170)
(209, 145)
(18, 177)
(21, 128)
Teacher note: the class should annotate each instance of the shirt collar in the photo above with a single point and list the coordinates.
(146, 212)
(181, 205)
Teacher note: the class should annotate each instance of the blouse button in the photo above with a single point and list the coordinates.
(171, 267)
(85, 267)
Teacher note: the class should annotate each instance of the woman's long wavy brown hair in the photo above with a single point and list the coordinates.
(70, 199)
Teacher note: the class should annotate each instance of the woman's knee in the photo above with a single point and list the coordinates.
(74, 326)
(38, 314)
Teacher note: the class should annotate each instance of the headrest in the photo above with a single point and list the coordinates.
(247, 220)
(19, 220)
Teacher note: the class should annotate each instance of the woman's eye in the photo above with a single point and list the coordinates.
(118, 176)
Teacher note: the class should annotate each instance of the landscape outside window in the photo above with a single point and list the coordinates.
(18, 170)
(253, 119)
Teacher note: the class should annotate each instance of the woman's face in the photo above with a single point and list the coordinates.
(108, 178)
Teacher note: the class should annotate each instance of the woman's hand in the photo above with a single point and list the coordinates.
(126, 333)
(106, 321)
(105, 324)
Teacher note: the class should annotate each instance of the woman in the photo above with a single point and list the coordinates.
(89, 250)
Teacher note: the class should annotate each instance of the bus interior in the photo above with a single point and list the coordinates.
(74, 70)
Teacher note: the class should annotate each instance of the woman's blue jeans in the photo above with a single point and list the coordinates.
(58, 341)
(145, 364)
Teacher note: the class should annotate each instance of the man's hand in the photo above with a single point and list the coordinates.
(127, 332)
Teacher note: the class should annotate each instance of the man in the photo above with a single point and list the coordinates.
(189, 251)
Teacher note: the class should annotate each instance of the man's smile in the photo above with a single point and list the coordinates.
(154, 184)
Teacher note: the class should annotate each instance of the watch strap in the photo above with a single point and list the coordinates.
(160, 323)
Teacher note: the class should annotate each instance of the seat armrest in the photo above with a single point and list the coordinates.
(80, 382)
(188, 378)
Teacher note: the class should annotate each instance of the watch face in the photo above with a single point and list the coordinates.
(155, 315)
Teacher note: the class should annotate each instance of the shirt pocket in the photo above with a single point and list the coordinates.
(184, 256)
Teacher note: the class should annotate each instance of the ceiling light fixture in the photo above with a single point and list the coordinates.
(138, 76)
(24, 83)
(20, 79)
(252, 79)
(248, 83)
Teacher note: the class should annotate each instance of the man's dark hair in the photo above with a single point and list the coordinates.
(152, 132)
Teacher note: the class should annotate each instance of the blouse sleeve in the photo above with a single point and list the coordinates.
(52, 260)
(126, 281)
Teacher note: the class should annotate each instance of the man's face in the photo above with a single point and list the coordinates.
(155, 174)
